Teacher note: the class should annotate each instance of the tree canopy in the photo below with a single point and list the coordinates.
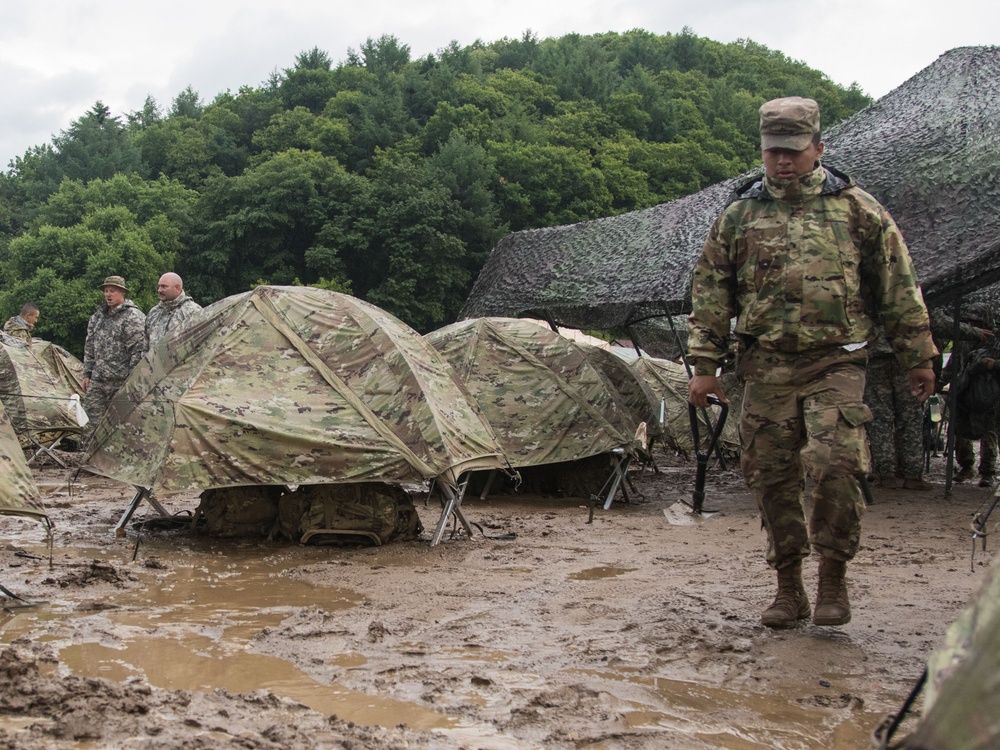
(387, 175)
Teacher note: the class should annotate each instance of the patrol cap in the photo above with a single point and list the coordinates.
(117, 281)
(980, 312)
(790, 122)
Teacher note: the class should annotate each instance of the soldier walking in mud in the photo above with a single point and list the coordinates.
(116, 341)
(808, 264)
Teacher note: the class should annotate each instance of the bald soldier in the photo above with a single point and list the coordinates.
(171, 311)
(809, 265)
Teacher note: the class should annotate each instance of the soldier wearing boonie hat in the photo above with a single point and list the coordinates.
(114, 281)
(789, 258)
(116, 341)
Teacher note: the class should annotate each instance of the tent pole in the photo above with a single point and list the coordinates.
(635, 340)
(954, 364)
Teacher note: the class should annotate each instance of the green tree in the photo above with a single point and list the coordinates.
(547, 185)
(96, 146)
(263, 224)
(416, 243)
(187, 104)
(60, 267)
(385, 55)
(301, 129)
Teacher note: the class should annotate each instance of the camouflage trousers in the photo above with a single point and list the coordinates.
(803, 415)
(895, 434)
(965, 453)
(95, 403)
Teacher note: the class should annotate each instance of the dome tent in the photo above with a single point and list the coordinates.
(291, 385)
(18, 492)
(38, 384)
(547, 403)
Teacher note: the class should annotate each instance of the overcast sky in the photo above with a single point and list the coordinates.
(58, 57)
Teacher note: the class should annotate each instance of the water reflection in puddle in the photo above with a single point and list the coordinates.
(189, 630)
(738, 720)
(190, 665)
(593, 574)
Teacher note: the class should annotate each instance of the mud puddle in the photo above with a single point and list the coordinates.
(736, 720)
(192, 625)
(628, 633)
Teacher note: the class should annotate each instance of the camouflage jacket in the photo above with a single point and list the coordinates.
(18, 328)
(116, 341)
(168, 315)
(805, 265)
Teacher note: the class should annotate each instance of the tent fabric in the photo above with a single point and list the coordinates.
(19, 494)
(636, 393)
(545, 400)
(66, 367)
(36, 384)
(929, 151)
(962, 702)
(290, 385)
(669, 382)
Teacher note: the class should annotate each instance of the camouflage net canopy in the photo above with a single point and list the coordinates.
(291, 385)
(929, 151)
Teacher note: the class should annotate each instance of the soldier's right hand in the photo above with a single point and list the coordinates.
(700, 387)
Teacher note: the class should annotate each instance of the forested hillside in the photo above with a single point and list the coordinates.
(385, 176)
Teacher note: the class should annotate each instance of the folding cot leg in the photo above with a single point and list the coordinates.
(452, 504)
(620, 463)
(140, 493)
(42, 448)
(489, 485)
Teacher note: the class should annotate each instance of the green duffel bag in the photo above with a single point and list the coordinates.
(240, 511)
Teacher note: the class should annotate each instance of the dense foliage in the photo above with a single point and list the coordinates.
(385, 176)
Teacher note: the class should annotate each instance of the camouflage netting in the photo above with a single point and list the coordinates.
(291, 385)
(929, 150)
(18, 492)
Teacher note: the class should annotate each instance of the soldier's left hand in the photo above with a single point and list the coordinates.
(921, 383)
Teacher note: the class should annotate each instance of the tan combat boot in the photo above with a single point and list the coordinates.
(832, 606)
(792, 603)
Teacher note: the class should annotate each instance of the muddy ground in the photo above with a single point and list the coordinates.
(628, 632)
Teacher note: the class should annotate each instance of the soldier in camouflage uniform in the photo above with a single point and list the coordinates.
(171, 311)
(21, 325)
(808, 264)
(895, 432)
(980, 318)
(116, 341)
